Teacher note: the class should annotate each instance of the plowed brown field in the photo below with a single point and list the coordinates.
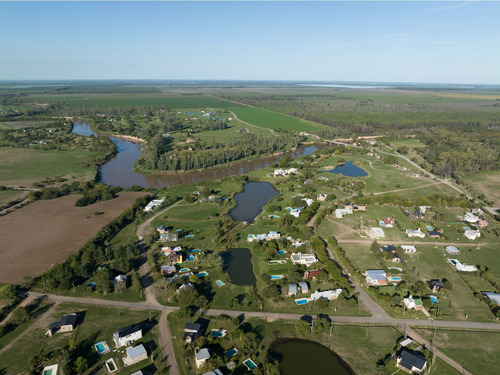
(44, 233)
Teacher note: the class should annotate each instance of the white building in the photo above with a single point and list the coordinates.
(285, 172)
(127, 335)
(304, 259)
(298, 243)
(135, 355)
(413, 303)
(321, 197)
(327, 294)
(472, 234)
(375, 233)
(201, 356)
(153, 204)
(462, 267)
(340, 212)
(471, 218)
(452, 250)
(415, 233)
(376, 277)
(308, 201)
(409, 249)
(493, 297)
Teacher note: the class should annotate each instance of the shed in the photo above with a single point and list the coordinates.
(135, 355)
(452, 250)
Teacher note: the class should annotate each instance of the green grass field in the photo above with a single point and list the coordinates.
(477, 352)
(23, 167)
(7, 196)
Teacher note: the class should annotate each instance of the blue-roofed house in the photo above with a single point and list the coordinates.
(303, 287)
(201, 356)
(292, 290)
(376, 277)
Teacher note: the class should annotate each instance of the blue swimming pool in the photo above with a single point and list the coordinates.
(193, 251)
(276, 277)
(249, 364)
(434, 299)
(202, 274)
(281, 252)
(219, 282)
(429, 227)
(395, 278)
(301, 301)
(101, 347)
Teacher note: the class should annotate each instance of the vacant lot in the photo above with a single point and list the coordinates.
(487, 183)
(23, 167)
(46, 232)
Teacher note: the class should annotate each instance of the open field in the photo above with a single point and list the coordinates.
(43, 233)
(23, 124)
(7, 196)
(23, 167)
(486, 183)
(96, 324)
(477, 352)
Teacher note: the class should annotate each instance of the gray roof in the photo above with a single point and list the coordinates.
(192, 326)
(292, 288)
(410, 360)
(303, 286)
(214, 372)
(66, 320)
(494, 297)
(128, 330)
(202, 354)
(135, 352)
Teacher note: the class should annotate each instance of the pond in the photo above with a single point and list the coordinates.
(119, 171)
(237, 263)
(250, 201)
(348, 169)
(298, 357)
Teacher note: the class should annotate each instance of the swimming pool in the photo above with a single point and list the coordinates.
(231, 353)
(434, 299)
(184, 270)
(218, 333)
(202, 274)
(301, 301)
(281, 252)
(466, 228)
(101, 347)
(396, 268)
(395, 278)
(249, 364)
(429, 227)
(190, 236)
(190, 258)
(276, 277)
(193, 251)
(219, 282)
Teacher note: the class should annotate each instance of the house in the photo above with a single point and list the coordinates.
(135, 355)
(201, 356)
(184, 286)
(138, 373)
(312, 274)
(167, 237)
(153, 204)
(127, 335)
(493, 297)
(409, 249)
(192, 331)
(285, 172)
(375, 233)
(66, 324)
(471, 218)
(413, 303)
(167, 270)
(354, 207)
(472, 234)
(388, 222)
(321, 197)
(462, 267)
(295, 212)
(435, 285)
(308, 201)
(411, 362)
(213, 372)
(388, 248)
(292, 290)
(161, 229)
(327, 294)
(415, 233)
(304, 259)
(340, 212)
(376, 277)
(418, 215)
(174, 258)
(436, 234)
(120, 279)
(272, 235)
(303, 287)
(406, 342)
(298, 243)
(452, 250)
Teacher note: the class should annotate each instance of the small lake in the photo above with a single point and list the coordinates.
(250, 201)
(119, 171)
(348, 169)
(299, 357)
(238, 264)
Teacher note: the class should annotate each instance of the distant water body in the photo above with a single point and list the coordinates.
(345, 86)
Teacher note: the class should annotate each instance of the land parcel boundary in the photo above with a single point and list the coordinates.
(43, 233)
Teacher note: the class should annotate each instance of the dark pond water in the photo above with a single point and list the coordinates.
(238, 264)
(250, 201)
(119, 171)
(299, 357)
(348, 169)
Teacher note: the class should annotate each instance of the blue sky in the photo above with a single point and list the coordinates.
(443, 42)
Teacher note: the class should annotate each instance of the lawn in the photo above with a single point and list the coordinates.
(7, 196)
(477, 352)
(97, 324)
(23, 167)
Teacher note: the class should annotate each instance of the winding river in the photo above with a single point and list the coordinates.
(119, 171)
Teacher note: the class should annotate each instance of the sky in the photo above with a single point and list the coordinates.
(423, 42)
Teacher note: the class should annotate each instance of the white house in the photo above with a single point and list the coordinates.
(472, 234)
(340, 212)
(308, 201)
(285, 172)
(413, 303)
(127, 335)
(452, 250)
(120, 279)
(327, 294)
(135, 355)
(153, 204)
(462, 267)
(297, 243)
(415, 233)
(295, 212)
(471, 218)
(304, 259)
(409, 249)
(493, 297)
(321, 197)
(376, 277)
(201, 356)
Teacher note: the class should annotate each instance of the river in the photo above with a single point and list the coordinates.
(119, 171)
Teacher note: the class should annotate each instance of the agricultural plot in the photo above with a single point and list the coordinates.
(486, 183)
(44, 233)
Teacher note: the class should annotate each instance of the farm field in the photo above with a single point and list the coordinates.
(96, 324)
(43, 233)
(486, 183)
(23, 167)
(477, 352)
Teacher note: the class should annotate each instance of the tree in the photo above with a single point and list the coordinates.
(81, 365)
(7, 292)
(103, 281)
(322, 303)
(136, 282)
(448, 285)
(19, 316)
(374, 248)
